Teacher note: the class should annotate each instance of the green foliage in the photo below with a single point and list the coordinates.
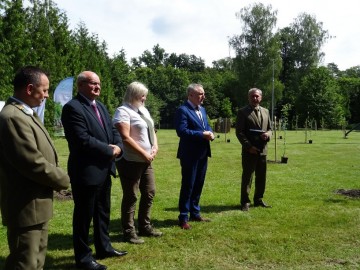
(155, 105)
(226, 111)
(158, 57)
(319, 98)
(300, 52)
(167, 84)
(350, 90)
(353, 72)
(121, 75)
(256, 51)
(39, 35)
(15, 43)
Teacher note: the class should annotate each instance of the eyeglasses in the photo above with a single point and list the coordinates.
(93, 83)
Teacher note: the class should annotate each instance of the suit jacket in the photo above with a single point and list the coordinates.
(189, 128)
(29, 169)
(247, 121)
(90, 159)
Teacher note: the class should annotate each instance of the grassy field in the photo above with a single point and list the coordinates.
(309, 227)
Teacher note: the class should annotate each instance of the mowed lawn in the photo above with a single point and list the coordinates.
(309, 227)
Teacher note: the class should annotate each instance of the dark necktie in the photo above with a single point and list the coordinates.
(258, 114)
(198, 112)
(96, 110)
(150, 127)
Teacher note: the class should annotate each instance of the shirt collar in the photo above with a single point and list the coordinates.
(91, 102)
(26, 108)
(193, 106)
(131, 107)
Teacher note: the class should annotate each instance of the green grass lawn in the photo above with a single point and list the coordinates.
(309, 226)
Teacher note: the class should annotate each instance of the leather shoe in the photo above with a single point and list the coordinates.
(245, 207)
(149, 231)
(133, 238)
(92, 265)
(199, 219)
(113, 253)
(261, 204)
(184, 225)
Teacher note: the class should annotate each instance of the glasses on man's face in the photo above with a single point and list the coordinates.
(93, 83)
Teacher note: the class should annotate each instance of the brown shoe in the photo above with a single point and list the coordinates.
(184, 225)
(133, 238)
(245, 207)
(149, 231)
(200, 219)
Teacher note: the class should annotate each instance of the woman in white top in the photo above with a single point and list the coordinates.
(136, 128)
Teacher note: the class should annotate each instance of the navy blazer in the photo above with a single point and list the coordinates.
(90, 159)
(189, 128)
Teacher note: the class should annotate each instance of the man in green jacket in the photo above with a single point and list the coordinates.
(29, 172)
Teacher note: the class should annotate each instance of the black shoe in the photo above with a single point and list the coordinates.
(245, 207)
(261, 204)
(113, 253)
(92, 265)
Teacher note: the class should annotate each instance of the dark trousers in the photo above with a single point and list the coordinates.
(253, 163)
(91, 203)
(193, 178)
(27, 246)
(135, 177)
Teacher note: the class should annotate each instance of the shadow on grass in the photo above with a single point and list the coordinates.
(60, 241)
(338, 201)
(63, 262)
(64, 242)
(210, 208)
(55, 242)
(52, 263)
(116, 228)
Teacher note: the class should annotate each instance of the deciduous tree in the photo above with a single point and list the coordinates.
(257, 60)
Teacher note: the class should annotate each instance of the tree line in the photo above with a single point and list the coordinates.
(284, 63)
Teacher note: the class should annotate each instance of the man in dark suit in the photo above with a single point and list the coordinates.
(29, 172)
(253, 130)
(194, 149)
(93, 145)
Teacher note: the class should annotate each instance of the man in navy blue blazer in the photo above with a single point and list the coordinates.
(194, 149)
(93, 144)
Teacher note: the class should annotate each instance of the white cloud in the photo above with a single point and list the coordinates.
(202, 27)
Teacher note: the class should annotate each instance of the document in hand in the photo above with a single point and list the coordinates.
(255, 139)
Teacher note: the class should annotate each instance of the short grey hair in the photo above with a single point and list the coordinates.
(255, 90)
(134, 91)
(192, 87)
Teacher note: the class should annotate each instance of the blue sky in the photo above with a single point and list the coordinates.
(202, 27)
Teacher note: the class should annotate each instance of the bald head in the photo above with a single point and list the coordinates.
(88, 84)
